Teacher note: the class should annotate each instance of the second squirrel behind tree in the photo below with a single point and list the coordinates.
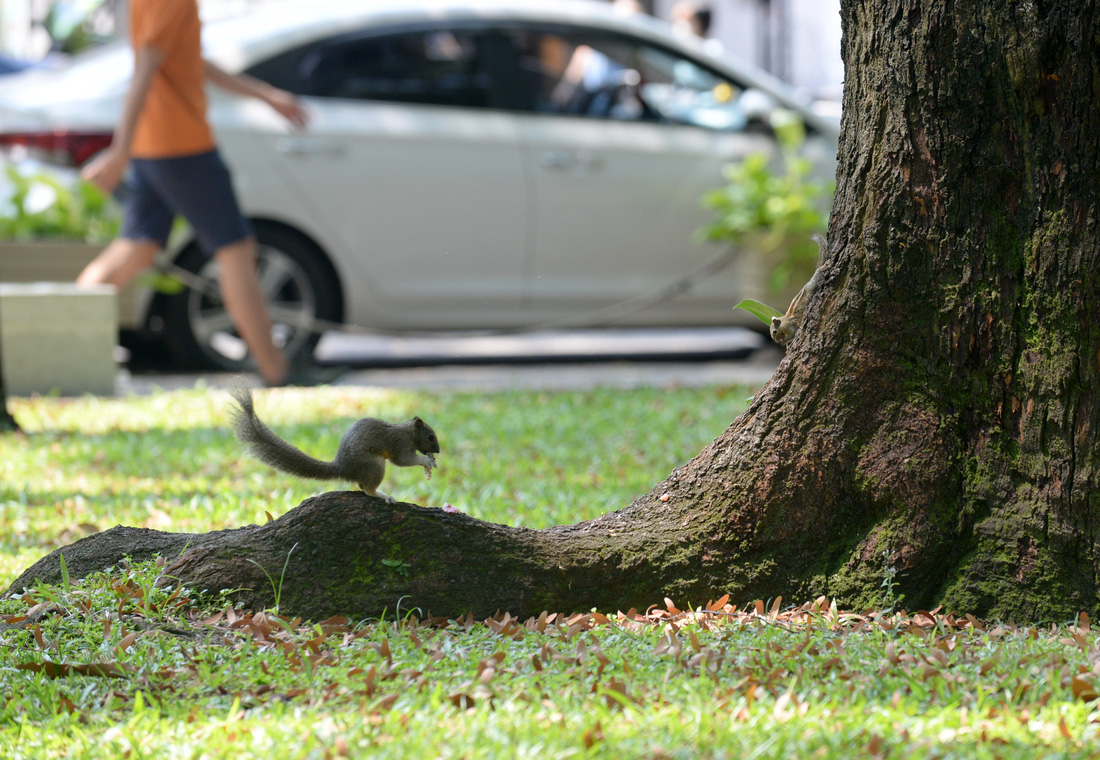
(783, 328)
(360, 458)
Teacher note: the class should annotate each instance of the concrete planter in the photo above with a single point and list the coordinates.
(56, 337)
(58, 261)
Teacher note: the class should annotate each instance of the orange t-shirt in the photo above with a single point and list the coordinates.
(172, 121)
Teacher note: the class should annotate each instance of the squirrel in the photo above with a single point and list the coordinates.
(783, 328)
(360, 458)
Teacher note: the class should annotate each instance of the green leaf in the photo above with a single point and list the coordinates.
(761, 311)
(770, 202)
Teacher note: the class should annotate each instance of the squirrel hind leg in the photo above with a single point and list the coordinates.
(373, 491)
(368, 481)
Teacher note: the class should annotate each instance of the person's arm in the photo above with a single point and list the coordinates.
(284, 103)
(107, 168)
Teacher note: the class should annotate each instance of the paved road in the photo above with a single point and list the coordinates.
(551, 360)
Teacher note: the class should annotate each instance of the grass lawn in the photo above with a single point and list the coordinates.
(119, 666)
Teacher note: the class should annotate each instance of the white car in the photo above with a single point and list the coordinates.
(469, 165)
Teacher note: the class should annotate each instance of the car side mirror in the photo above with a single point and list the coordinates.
(757, 106)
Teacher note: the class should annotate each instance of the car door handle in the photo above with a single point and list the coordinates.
(309, 146)
(569, 159)
(558, 159)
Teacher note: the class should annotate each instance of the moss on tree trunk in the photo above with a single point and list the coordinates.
(937, 412)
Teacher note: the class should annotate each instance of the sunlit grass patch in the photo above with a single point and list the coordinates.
(169, 462)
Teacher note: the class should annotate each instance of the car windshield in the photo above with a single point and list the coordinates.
(112, 62)
(104, 66)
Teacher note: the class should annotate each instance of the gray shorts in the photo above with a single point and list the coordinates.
(196, 187)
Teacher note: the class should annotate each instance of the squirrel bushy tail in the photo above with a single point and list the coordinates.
(269, 448)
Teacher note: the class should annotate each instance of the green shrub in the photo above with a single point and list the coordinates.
(780, 210)
(75, 210)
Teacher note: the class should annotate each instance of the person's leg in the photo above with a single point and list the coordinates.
(245, 303)
(199, 188)
(119, 263)
(146, 222)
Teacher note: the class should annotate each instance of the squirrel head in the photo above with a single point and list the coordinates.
(783, 330)
(426, 440)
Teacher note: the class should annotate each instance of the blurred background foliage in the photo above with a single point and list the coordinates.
(770, 205)
(41, 204)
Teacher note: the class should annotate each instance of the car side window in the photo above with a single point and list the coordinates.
(435, 67)
(579, 73)
(559, 70)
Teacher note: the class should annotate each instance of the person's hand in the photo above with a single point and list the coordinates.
(105, 170)
(289, 107)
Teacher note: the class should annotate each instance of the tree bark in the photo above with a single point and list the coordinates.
(936, 413)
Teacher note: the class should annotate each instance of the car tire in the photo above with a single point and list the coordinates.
(299, 286)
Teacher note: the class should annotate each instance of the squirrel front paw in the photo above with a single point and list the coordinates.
(429, 463)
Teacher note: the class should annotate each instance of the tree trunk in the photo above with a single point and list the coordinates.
(7, 422)
(936, 413)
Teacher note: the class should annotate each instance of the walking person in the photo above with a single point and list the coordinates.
(164, 138)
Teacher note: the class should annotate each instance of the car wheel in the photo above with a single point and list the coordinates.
(298, 284)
